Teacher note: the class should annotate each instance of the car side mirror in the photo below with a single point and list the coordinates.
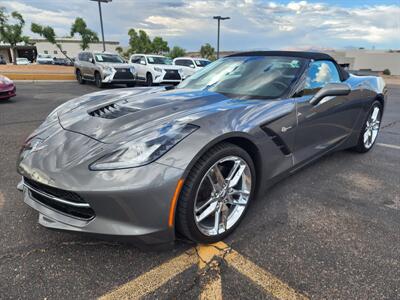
(91, 60)
(192, 66)
(331, 89)
(142, 62)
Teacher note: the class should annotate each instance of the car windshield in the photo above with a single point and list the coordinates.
(159, 60)
(247, 77)
(108, 58)
(202, 63)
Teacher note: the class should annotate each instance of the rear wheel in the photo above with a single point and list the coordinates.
(149, 79)
(79, 77)
(370, 129)
(216, 194)
(98, 80)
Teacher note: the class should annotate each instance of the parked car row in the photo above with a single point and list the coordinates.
(109, 68)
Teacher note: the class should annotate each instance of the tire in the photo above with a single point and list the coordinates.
(131, 84)
(362, 145)
(79, 77)
(198, 186)
(97, 80)
(149, 79)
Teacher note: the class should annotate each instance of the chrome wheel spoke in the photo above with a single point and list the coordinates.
(207, 203)
(217, 220)
(235, 179)
(239, 192)
(207, 212)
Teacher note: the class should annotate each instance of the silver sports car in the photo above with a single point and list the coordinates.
(152, 163)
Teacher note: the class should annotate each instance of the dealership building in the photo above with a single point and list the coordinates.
(70, 46)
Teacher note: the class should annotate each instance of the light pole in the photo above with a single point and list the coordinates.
(101, 20)
(219, 18)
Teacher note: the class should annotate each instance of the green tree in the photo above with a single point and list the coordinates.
(177, 52)
(207, 51)
(48, 33)
(139, 42)
(159, 45)
(11, 33)
(87, 35)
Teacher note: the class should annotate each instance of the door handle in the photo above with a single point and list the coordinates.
(284, 129)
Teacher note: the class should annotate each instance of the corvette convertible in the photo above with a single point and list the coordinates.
(155, 163)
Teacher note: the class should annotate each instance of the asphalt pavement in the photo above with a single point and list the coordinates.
(332, 230)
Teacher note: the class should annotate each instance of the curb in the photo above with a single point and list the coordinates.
(41, 81)
(47, 77)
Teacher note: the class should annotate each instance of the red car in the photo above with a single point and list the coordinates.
(7, 88)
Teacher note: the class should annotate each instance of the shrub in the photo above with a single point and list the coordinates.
(386, 72)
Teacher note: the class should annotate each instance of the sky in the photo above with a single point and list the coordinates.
(254, 24)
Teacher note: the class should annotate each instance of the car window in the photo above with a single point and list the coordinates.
(142, 60)
(258, 77)
(159, 60)
(202, 62)
(319, 74)
(108, 58)
(184, 62)
(135, 59)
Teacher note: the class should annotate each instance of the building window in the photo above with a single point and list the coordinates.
(46, 52)
(55, 51)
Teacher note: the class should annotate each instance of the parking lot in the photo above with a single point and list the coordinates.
(332, 230)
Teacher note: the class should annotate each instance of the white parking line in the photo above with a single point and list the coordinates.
(389, 146)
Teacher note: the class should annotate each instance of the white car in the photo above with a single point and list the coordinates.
(155, 69)
(44, 59)
(23, 61)
(190, 65)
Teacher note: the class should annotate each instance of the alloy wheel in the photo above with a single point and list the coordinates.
(222, 196)
(372, 127)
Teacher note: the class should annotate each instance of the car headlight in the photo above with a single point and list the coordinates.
(157, 69)
(108, 70)
(145, 149)
(132, 69)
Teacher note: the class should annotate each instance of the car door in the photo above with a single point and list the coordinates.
(327, 123)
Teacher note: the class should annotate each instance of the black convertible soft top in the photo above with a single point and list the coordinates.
(302, 54)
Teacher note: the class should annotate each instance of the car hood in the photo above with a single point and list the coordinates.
(166, 67)
(114, 116)
(115, 65)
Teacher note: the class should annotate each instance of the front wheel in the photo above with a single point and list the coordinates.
(149, 79)
(79, 77)
(216, 194)
(370, 129)
(98, 80)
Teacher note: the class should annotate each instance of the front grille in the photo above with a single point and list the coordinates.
(34, 187)
(123, 74)
(172, 75)
(8, 93)
(112, 111)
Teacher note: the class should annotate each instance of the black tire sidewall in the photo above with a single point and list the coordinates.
(149, 79)
(361, 146)
(191, 186)
(97, 80)
(79, 77)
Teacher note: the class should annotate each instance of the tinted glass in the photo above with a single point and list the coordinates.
(184, 62)
(319, 74)
(159, 60)
(249, 77)
(108, 58)
(202, 63)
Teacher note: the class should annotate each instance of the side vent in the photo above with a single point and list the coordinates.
(111, 111)
(278, 141)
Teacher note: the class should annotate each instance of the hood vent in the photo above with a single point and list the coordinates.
(112, 111)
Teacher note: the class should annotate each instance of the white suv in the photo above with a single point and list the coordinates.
(155, 69)
(190, 65)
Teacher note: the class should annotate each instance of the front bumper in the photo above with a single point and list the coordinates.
(8, 92)
(119, 76)
(132, 204)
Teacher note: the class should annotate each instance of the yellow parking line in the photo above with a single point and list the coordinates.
(212, 290)
(153, 279)
(264, 279)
